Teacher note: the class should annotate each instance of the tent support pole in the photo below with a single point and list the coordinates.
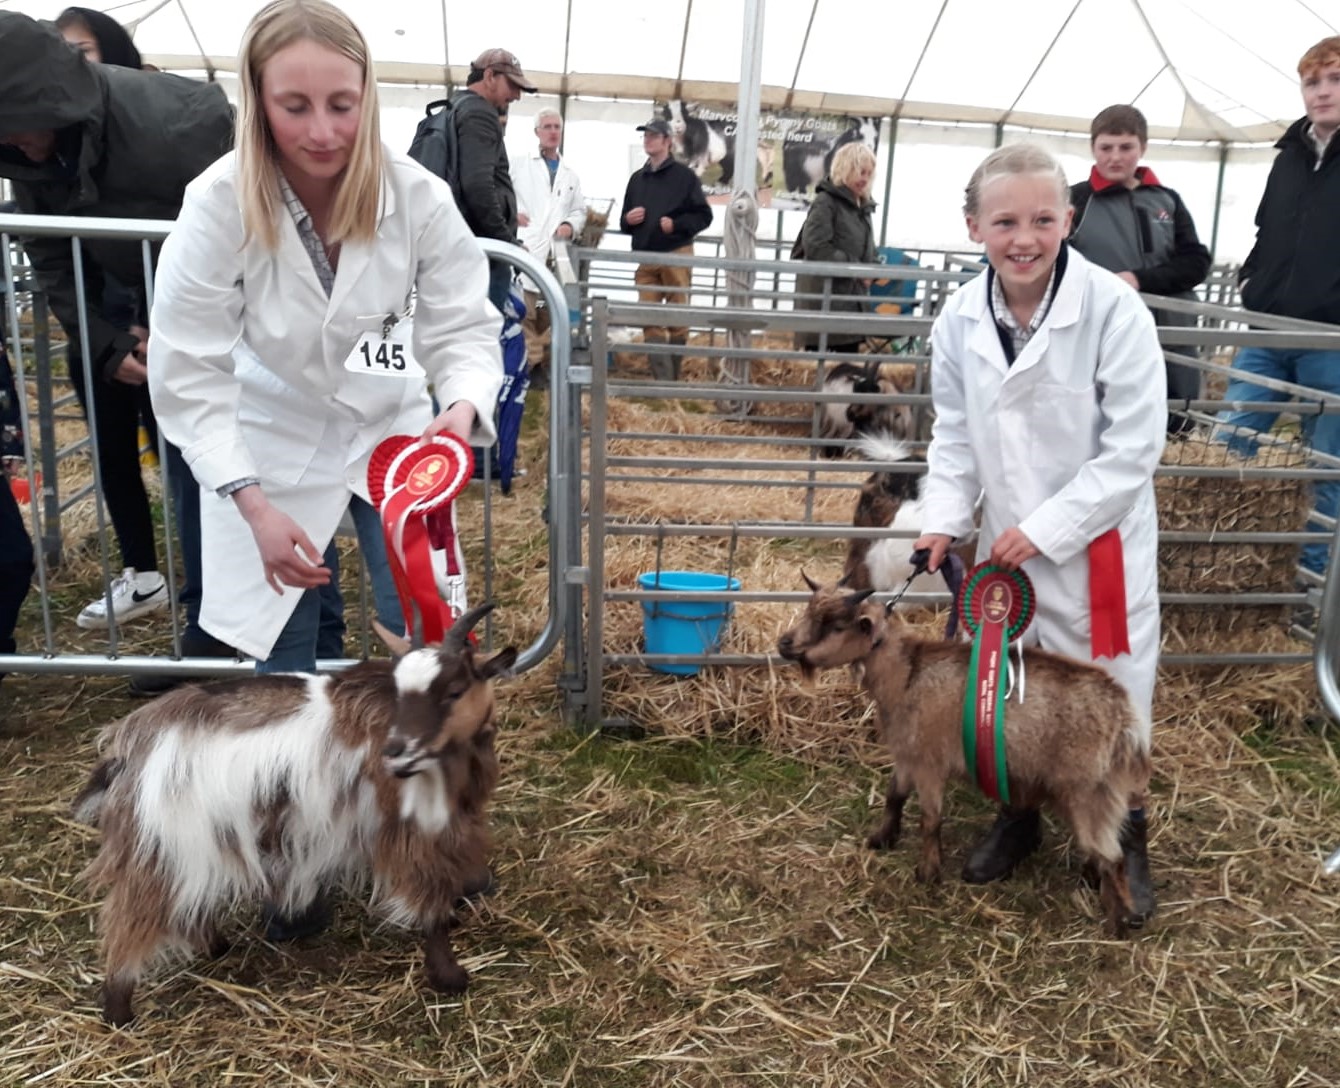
(1218, 198)
(888, 182)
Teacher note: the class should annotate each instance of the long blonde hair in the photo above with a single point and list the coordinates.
(357, 201)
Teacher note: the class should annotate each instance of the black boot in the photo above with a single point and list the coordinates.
(1135, 846)
(1015, 834)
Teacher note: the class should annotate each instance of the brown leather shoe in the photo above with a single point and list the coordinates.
(1015, 834)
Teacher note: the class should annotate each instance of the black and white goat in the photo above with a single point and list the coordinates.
(699, 142)
(274, 787)
(840, 421)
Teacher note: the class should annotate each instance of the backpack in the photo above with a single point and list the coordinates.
(436, 145)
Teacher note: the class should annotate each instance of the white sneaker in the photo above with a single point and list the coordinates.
(133, 594)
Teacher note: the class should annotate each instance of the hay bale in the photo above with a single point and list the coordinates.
(1278, 503)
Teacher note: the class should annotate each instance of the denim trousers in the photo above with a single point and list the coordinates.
(1315, 369)
(316, 629)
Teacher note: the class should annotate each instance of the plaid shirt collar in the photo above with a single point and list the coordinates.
(302, 219)
(1000, 310)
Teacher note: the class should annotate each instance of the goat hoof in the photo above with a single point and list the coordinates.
(218, 947)
(448, 979)
(928, 874)
(881, 840)
(116, 1009)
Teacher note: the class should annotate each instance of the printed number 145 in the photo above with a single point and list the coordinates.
(387, 356)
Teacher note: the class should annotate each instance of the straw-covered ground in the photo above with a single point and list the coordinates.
(697, 907)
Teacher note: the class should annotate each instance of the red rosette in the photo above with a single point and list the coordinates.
(998, 596)
(431, 471)
(378, 465)
(409, 480)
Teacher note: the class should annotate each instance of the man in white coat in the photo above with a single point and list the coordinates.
(550, 206)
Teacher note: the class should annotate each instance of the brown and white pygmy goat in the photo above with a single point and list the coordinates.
(273, 787)
(1075, 743)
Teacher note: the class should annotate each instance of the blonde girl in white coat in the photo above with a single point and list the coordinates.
(289, 253)
(1050, 402)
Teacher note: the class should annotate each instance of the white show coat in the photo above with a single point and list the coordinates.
(1063, 444)
(246, 367)
(548, 208)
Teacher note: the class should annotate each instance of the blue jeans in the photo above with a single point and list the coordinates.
(500, 282)
(186, 506)
(316, 629)
(1314, 369)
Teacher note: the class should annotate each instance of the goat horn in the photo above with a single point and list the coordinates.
(398, 646)
(454, 641)
(814, 586)
(859, 596)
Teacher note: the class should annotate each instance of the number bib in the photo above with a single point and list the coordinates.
(385, 352)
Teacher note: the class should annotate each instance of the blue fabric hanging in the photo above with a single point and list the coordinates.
(512, 396)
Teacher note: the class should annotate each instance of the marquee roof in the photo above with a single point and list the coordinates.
(1219, 70)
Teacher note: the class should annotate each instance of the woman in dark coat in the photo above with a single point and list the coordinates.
(838, 228)
(99, 37)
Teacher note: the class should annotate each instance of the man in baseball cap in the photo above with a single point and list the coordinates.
(487, 197)
(503, 63)
(663, 209)
(659, 127)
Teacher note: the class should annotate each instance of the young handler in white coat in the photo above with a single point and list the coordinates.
(1050, 402)
(289, 255)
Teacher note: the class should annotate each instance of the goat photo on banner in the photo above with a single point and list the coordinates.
(795, 150)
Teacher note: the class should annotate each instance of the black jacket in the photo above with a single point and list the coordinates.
(487, 198)
(674, 190)
(837, 228)
(128, 144)
(1146, 231)
(1294, 267)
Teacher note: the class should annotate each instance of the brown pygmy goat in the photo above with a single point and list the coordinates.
(274, 787)
(1074, 743)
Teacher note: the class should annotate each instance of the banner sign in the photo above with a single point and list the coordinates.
(795, 150)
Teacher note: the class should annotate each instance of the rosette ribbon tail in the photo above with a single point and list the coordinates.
(1107, 597)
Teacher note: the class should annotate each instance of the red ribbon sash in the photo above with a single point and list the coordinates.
(1108, 635)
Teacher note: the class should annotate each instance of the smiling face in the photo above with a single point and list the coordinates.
(313, 97)
(1022, 220)
(1117, 156)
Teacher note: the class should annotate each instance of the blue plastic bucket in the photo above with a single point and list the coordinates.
(684, 627)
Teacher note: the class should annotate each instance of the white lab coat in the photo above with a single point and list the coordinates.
(1063, 444)
(547, 207)
(246, 367)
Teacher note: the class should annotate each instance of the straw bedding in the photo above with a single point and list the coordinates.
(697, 909)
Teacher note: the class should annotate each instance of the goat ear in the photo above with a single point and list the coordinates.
(398, 646)
(867, 626)
(814, 586)
(500, 664)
